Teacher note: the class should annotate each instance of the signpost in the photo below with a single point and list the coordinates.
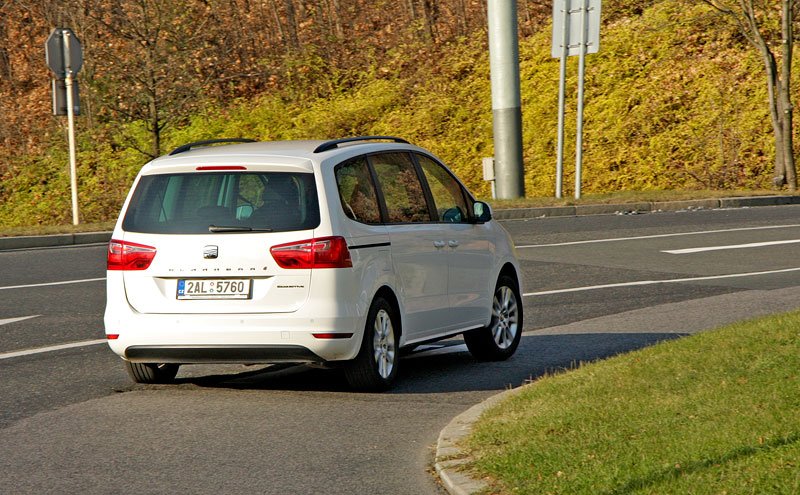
(573, 35)
(64, 57)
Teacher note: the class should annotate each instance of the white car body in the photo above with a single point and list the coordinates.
(440, 277)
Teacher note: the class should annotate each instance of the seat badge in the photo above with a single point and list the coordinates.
(210, 252)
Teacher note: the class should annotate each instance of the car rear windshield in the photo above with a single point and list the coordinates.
(198, 203)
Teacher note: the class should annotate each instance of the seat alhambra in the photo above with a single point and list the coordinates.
(333, 253)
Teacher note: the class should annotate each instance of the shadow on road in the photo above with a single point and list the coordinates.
(448, 368)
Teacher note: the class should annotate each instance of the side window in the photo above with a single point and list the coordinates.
(357, 192)
(402, 191)
(446, 191)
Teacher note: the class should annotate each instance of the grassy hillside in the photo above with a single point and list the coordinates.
(675, 100)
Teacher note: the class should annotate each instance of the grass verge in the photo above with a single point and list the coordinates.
(718, 412)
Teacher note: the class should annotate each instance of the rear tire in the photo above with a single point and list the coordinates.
(151, 372)
(375, 367)
(499, 340)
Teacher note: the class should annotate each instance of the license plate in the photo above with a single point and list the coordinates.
(208, 288)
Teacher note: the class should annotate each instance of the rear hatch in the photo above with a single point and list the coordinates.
(243, 278)
(211, 233)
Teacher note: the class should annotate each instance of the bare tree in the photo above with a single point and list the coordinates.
(154, 71)
(764, 28)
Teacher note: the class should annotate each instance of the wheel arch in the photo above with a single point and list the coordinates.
(388, 294)
(510, 270)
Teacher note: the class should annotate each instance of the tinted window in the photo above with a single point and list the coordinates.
(402, 191)
(447, 193)
(190, 203)
(357, 191)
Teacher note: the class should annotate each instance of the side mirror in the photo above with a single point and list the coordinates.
(481, 212)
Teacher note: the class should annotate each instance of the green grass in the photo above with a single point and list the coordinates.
(715, 413)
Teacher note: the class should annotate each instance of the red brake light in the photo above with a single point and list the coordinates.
(208, 168)
(325, 252)
(129, 255)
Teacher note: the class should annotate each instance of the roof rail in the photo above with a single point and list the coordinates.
(329, 145)
(187, 147)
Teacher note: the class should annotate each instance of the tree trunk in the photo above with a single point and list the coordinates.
(779, 174)
(786, 96)
(278, 22)
(430, 13)
(291, 25)
(337, 19)
(412, 10)
(5, 61)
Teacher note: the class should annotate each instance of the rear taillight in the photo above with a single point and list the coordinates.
(129, 255)
(325, 252)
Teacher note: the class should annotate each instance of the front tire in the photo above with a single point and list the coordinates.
(151, 372)
(499, 340)
(375, 367)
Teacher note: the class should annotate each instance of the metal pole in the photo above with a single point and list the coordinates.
(562, 88)
(581, 74)
(73, 173)
(506, 103)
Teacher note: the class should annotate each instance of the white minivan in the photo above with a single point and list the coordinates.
(333, 253)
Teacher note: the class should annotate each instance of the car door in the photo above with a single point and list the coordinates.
(469, 250)
(419, 252)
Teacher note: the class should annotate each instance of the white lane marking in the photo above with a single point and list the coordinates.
(730, 246)
(40, 350)
(657, 236)
(655, 282)
(14, 320)
(53, 283)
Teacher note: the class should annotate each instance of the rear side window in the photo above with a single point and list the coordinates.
(191, 203)
(401, 188)
(357, 191)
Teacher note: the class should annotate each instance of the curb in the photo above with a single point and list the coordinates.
(35, 241)
(644, 207)
(450, 457)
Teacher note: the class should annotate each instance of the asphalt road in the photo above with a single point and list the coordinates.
(71, 421)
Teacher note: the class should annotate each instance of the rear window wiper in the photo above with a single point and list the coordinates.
(221, 229)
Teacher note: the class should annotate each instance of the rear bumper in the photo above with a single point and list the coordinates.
(231, 338)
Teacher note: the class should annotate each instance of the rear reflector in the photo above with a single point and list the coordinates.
(208, 168)
(332, 335)
(324, 252)
(112, 336)
(129, 255)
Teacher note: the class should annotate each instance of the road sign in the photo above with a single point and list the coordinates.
(64, 56)
(576, 31)
(60, 97)
(572, 10)
(56, 56)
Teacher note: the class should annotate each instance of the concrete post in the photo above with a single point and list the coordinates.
(506, 105)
